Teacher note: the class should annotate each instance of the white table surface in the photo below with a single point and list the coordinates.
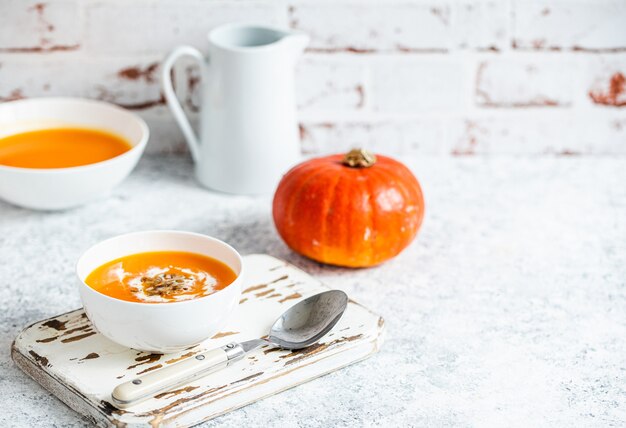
(508, 310)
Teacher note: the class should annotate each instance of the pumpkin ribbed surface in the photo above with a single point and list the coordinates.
(348, 216)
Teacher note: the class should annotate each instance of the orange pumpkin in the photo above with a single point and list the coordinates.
(355, 210)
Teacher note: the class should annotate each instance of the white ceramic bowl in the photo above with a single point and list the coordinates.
(61, 188)
(159, 327)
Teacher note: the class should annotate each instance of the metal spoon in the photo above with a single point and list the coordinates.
(300, 326)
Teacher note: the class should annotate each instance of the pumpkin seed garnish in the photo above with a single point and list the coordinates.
(166, 284)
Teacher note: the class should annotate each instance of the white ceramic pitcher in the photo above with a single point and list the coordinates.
(248, 129)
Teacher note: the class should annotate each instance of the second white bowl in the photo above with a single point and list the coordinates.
(61, 188)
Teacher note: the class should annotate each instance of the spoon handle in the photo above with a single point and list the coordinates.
(185, 371)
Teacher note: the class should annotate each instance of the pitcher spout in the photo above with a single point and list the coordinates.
(240, 37)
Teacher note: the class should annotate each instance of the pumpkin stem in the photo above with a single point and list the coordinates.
(359, 158)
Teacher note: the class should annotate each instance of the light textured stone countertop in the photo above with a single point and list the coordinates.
(508, 310)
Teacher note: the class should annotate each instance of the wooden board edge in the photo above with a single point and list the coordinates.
(17, 343)
(85, 408)
(82, 405)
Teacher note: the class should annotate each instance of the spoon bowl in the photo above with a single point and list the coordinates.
(308, 321)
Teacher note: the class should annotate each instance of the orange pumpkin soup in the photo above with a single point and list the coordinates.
(60, 148)
(161, 277)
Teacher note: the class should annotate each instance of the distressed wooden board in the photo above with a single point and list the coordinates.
(81, 367)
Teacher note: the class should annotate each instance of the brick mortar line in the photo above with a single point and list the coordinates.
(338, 58)
(522, 114)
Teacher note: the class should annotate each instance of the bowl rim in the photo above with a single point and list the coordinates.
(139, 147)
(84, 285)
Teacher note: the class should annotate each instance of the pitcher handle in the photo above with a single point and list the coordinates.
(172, 100)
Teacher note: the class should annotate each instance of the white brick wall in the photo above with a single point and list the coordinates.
(403, 77)
(412, 85)
(331, 85)
(525, 82)
(374, 26)
(590, 25)
(31, 26)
